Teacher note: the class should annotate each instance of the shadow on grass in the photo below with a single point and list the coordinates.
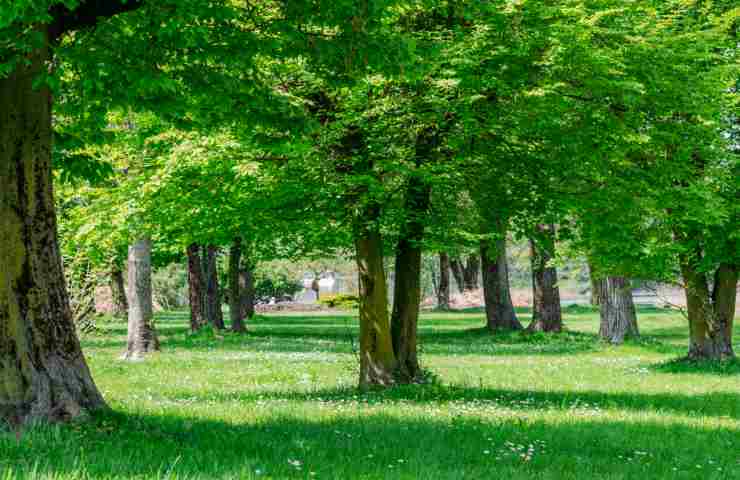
(685, 365)
(346, 446)
(720, 404)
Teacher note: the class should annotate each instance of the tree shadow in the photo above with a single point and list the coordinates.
(362, 445)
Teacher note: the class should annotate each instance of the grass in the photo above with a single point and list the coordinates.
(280, 403)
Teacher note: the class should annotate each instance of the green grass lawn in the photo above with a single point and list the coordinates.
(280, 402)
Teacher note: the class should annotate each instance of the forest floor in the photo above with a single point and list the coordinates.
(280, 402)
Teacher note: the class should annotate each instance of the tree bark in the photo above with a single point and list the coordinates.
(546, 312)
(43, 374)
(196, 288)
(456, 267)
(377, 360)
(235, 292)
(443, 290)
(711, 314)
(407, 286)
(471, 273)
(618, 316)
(214, 314)
(118, 292)
(142, 335)
(500, 313)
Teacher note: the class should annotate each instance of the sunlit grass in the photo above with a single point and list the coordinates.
(280, 402)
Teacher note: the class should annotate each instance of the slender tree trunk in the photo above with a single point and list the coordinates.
(43, 374)
(247, 288)
(377, 360)
(235, 294)
(443, 290)
(196, 288)
(118, 292)
(546, 313)
(618, 317)
(471, 273)
(500, 313)
(214, 313)
(711, 315)
(596, 287)
(456, 267)
(142, 336)
(407, 286)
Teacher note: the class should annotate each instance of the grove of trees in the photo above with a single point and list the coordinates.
(143, 133)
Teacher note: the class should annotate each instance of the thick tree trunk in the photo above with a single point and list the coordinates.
(236, 311)
(43, 374)
(196, 288)
(443, 290)
(546, 313)
(457, 269)
(618, 316)
(142, 336)
(377, 360)
(471, 273)
(214, 314)
(407, 286)
(711, 315)
(500, 313)
(118, 292)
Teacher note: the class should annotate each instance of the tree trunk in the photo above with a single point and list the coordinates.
(142, 335)
(618, 317)
(214, 314)
(235, 294)
(711, 315)
(407, 286)
(196, 288)
(443, 290)
(471, 273)
(43, 374)
(546, 313)
(377, 360)
(118, 292)
(596, 287)
(500, 313)
(247, 288)
(456, 267)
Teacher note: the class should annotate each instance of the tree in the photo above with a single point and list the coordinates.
(500, 313)
(546, 313)
(443, 289)
(236, 299)
(618, 317)
(142, 335)
(32, 289)
(214, 312)
(196, 287)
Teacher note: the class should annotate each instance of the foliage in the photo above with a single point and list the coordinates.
(340, 301)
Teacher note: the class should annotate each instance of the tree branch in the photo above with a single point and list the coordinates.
(87, 14)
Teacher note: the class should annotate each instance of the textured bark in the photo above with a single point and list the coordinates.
(236, 311)
(43, 374)
(500, 313)
(118, 292)
(407, 286)
(196, 288)
(546, 312)
(471, 273)
(377, 360)
(711, 314)
(443, 290)
(142, 336)
(214, 314)
(618, 316)
(456, 267)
